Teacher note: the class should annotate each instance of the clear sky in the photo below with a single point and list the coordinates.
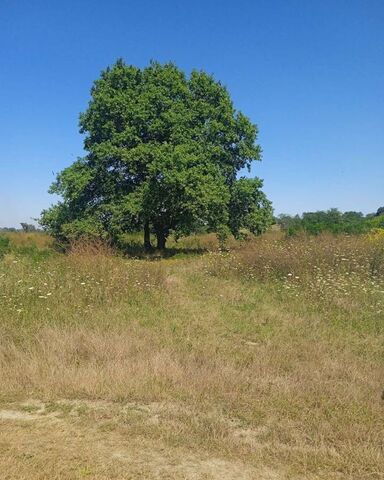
(310, 73)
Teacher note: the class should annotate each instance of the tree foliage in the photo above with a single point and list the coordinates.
(28, 227)
(380, 211)
(163, 154)
(331, 220)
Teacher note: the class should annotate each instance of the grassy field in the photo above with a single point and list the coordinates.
(264, 362)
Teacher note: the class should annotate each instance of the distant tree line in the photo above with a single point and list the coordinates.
(332, 221)
(25, 227)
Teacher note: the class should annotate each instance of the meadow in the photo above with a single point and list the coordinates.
(261, 361)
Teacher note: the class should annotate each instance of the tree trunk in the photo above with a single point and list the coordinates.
(161, 239)
(147, 237)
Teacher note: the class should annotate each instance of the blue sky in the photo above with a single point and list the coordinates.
(310, 73)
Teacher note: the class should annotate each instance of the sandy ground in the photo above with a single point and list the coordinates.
(73, 440)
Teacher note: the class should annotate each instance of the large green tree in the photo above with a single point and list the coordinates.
(163, 154)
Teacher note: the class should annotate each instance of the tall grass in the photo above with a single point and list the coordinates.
(271, 353)
(22, 239)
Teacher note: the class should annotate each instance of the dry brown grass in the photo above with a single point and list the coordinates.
(21, 239)
(204, 367)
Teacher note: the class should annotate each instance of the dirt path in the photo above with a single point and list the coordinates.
(98, 440)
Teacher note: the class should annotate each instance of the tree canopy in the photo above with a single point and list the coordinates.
(28, 227)
(380, 211)
(163, 155)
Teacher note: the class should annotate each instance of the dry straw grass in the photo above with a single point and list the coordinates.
(21, 239)
(266, 362)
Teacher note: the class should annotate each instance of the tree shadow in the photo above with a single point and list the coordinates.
(138, 251)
